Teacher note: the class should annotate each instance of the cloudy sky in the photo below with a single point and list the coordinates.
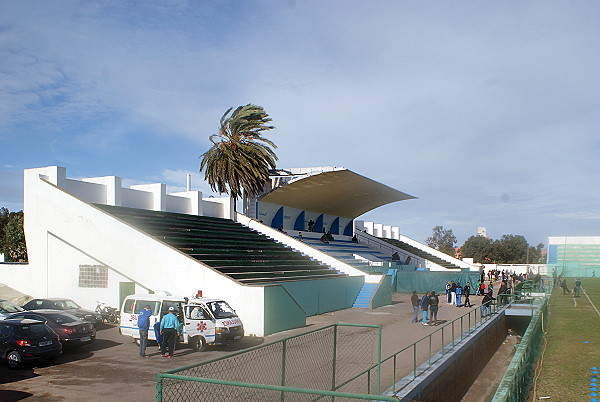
(488, 112)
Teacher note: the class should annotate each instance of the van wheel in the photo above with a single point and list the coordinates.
(198, 344)
(14, 359)
(136, 341)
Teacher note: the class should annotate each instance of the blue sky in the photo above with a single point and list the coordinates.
(486, 111)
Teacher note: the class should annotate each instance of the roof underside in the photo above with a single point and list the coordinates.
(338, 193)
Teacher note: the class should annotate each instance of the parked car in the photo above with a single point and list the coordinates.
(66, 305)
(7, 308)
(71, 329)
(23, 341)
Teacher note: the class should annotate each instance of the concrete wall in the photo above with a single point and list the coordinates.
(451, 377)
(64, 231)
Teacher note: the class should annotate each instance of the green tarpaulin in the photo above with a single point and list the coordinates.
(422, 281)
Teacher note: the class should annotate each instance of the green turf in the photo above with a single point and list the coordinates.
(567, 361)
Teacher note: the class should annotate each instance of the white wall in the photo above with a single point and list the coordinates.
(62, 232)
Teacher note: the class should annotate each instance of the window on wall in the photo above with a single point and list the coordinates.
(93, 276)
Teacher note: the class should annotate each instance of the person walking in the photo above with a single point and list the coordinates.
(434, 302)
(143, 324)
(425, 307)
(482, 289)
(169, 329)
(414, 299)
(467, 292)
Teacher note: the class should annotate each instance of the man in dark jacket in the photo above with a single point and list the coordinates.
(467, 293)
(414, 299)
(143, 325)
(425, 307)
(486, 304)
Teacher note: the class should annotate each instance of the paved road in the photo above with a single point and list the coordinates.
(110, 368)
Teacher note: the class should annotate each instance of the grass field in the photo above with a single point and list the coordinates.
(567, 360)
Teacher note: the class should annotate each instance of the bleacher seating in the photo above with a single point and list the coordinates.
(346, 250)
(227, 246)
(423, 254)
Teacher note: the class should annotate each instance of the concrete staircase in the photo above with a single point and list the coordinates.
(364, 296)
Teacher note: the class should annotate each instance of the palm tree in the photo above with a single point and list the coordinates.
(240, 157)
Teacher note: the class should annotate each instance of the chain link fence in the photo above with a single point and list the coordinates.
(339, 359)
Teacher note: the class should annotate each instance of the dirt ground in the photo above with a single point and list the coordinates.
(110, 369)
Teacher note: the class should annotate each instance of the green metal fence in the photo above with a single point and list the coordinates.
(517, 380)
(338, 358)
(337, 362)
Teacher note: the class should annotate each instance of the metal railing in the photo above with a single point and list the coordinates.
(323, 363)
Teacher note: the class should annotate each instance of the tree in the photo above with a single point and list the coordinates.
(536, 254)
(13, 237)
(240, 157)
(442, 240)
(510, 249)
(479, 248)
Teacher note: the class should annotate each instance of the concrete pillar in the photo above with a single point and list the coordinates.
(113, 188)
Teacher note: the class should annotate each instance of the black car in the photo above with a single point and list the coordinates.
(71, 329)
(24, 340)
(66, 305)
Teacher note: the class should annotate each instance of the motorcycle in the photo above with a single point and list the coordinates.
(109, 314)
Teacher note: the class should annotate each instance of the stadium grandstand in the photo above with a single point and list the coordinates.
(93, 239)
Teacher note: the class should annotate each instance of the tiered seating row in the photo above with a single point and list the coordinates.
(229, 247)
(423, 254)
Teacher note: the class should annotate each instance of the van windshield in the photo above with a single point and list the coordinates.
(221, 309)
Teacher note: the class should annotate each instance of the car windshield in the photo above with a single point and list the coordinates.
(8, 307)
(220, 309)
(66, 304)
(63, 318)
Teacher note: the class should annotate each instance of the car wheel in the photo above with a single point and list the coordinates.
(198, 344)
(14, 359)
(136, 341)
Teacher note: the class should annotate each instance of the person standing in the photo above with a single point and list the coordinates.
(482, 288)
(158, 336)
(467, 292)
(458, 292)
(414, 299)
(453, 292)
(448, 294)
(502, 291)
(169, 329)
(143, 324)
(425, 307)
(434, 302)
(486, 304)
(577, 289)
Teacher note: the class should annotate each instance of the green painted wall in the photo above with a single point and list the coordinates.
(281, 311)
(383, 295)
(324, 295)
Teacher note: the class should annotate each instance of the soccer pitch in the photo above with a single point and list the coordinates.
(572, 345)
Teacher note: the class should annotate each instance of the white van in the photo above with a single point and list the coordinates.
(204, 321)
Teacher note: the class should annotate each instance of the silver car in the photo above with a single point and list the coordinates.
(7, 308)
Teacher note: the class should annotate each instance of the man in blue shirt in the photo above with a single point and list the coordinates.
(169, 329)
(143, 325)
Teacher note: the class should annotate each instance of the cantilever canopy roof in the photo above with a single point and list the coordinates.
(338, 193)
